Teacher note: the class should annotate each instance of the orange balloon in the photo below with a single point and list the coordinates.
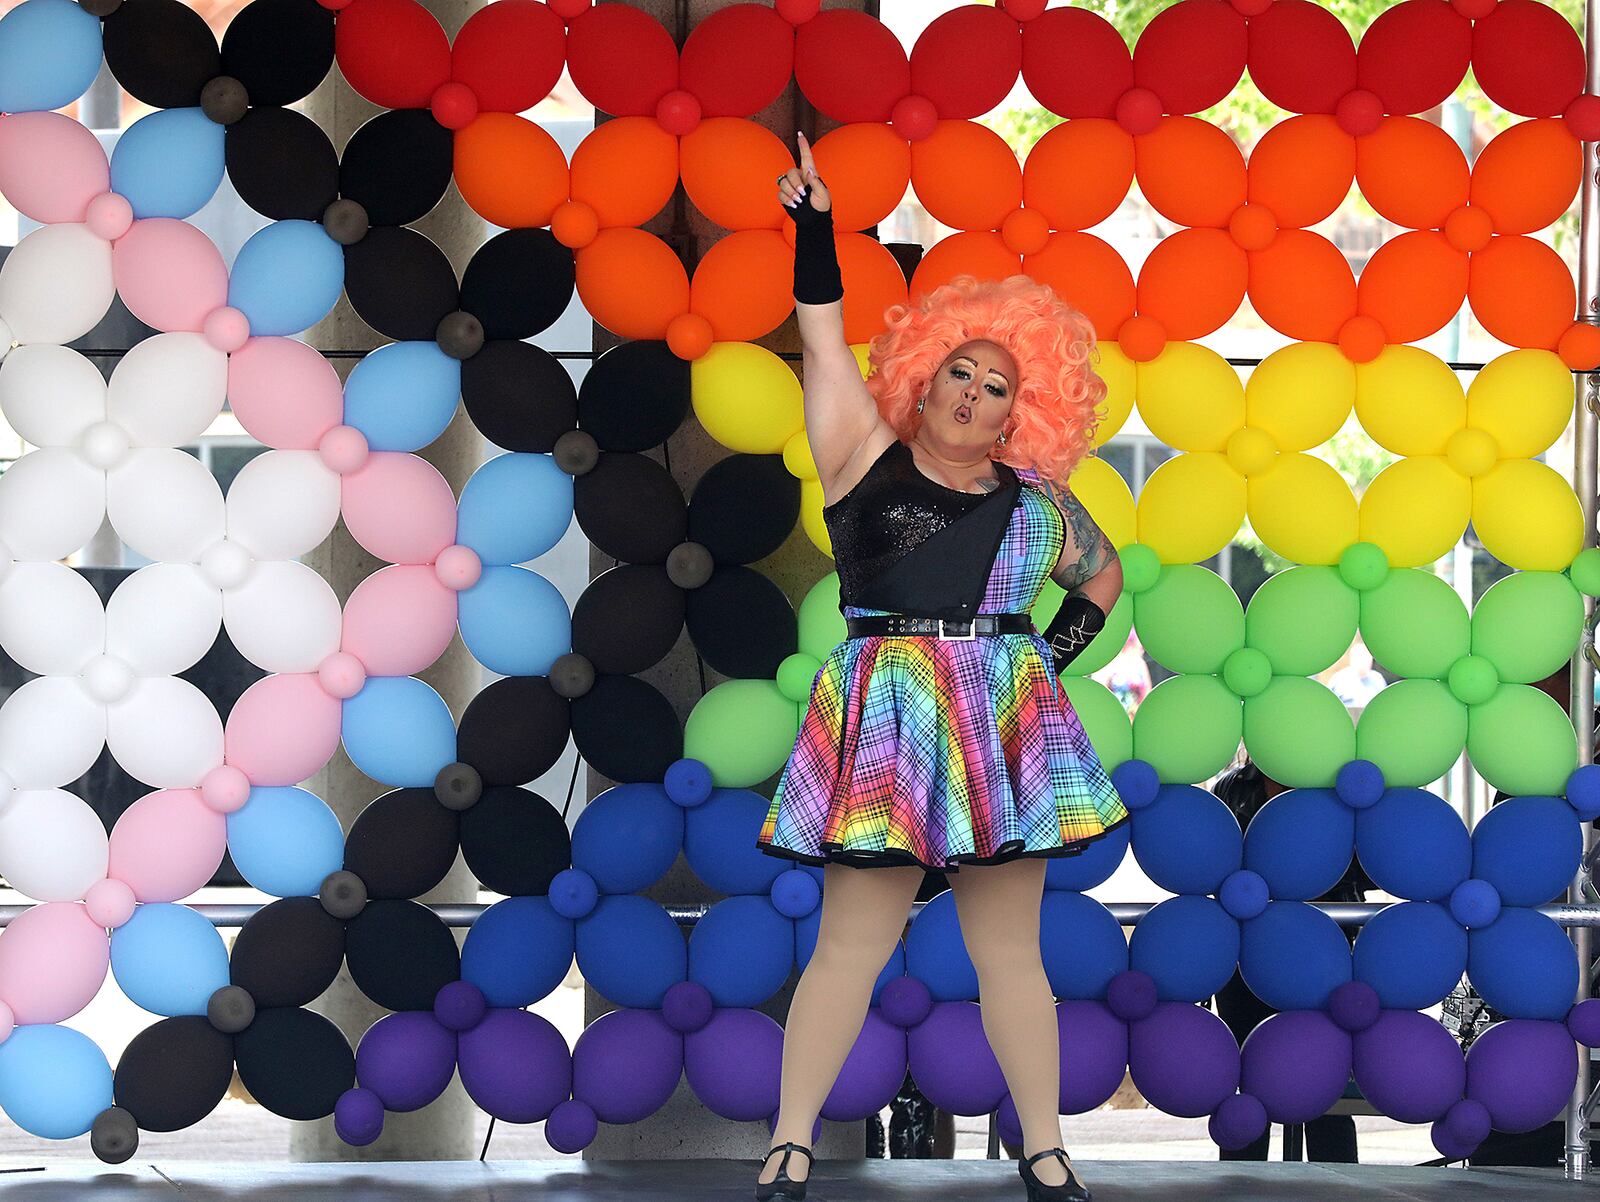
(1301, 286)
(1411, 172)
(744, 285)
(1302, 169)
(1089, 275)
(966, 176)
(730, 171)
(1413, 284)
(980, 253)
(867, 169)
(1079, 172)
(625, 170)
(510, 171)
(632, 283)
(1528, 174)
(1522, 292)
(1190, 171)
(1193, 281)
(872, 282)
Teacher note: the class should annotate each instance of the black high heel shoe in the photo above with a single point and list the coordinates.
(782, 1186)
(1072, 1190)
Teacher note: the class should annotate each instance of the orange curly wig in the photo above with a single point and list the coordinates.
(1055, 405)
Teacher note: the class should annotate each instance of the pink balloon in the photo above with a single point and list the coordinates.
(51, 167)
(284, 393)
(283, 729)
(399, 508)
(169, 274)
(399, 620)
(53, 960)
(167, 844)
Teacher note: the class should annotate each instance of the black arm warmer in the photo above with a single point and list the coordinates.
(816, 262)
(1072, 629)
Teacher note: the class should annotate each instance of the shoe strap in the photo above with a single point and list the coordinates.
(1038, 1156)
(791, 1148)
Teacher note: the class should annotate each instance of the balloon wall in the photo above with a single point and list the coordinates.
(108, 675)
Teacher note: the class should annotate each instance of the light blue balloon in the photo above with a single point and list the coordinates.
(168, 959)
(631, 950)
(628, 837)
(514, 508)
(1188, 945)
(515, 622)
(54, 1081)
(169, 163)
(719, 842)
(399, 732)
(49, 55)
(741, 950)
(284, 841)
(402, 396)
(287, 277)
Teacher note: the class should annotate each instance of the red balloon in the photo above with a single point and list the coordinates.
(738, 60)
(1527, 58)
(850, 66)
(1191, 55)
(510, 54)
(1075, 63)
(393, 52)
(988, 46)
(621, 59)
(1301, 56)
(1414, 55)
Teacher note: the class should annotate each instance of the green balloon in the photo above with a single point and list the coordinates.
(1414, 730)
(743, 730)
(796, 674)
(1103, 648)
(1473, 679)
(1247, 671)
(1104, 720)
(1188, 728)
(1415, 624)
(1521, 742)
(821, 622)
(1585, 571)
(1190, 619)
(1298, 732)
(1363, 565)
(1141, 567)
(1528, 624)
(1303, 619)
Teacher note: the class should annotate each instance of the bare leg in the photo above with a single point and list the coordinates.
(998, 905)
(863, 913)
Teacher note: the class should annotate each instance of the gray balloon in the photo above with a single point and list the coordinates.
(224, 100)
(572, 675)
(576, 452)
(458, 786)
(689, 565)
(114, 1136)
(99, 8)
(345, 221)
(231, 1009)
(343, 894)
(459, 334)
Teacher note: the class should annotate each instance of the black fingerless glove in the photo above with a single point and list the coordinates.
(816, 262)
(1072, 629)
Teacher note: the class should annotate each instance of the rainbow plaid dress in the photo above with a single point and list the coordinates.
(917, 750)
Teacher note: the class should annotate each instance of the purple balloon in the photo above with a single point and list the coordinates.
(1354, 1006)
(1132, 995)
(1409, 1066)
(358, 1117)
(626, 1065)
(687, 1006)
(1468, 1122)
(951, 1060)
(1238, 1122)
(1297, 1063)
(516, 1066)
(733, 1064)
(1522, 1069)
(460, 1006)
(1451, 1146)
(1184, 1059)
(1094, 1054)
(872, 1074)
(1583, 1020)
(571, 1127)
(905, 1001)
(407, 1059)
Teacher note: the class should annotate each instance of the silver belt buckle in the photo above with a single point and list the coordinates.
(972, 632)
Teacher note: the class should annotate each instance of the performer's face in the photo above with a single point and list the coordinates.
(969, 398)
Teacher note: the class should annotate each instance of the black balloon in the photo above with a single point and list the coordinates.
(628, 618)
(742, 624)
(518, 283)
(519, 396)
(402, 844)
(174, 1073)
(635, 396)
(399, 283)
(288, 953)
(626, 729)
(514, 730)
(295, 1063)
(279, 49)
(161, 51)
(744, 508)
(398, 166)
(515, 842)
(282, 164)
(400, 954)
(631, 508)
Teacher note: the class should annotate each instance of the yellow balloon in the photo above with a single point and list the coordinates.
(1527, 515)
(1190, 397)
(1409, 401)
(746, 397)
(1416, 510)
(1191, 507)
(1303, 509)
(797, 458)
(1301, 394)
(811, 516)
(1105, 495)
(1524, 399)
(1116, 369)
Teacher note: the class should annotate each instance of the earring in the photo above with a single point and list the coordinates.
(1002, 439)
(921, 401)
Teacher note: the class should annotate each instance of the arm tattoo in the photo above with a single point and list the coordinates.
(1093, 549)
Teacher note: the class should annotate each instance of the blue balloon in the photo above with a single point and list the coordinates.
(1187, 840)
(515, 622)
(287, 277)
(1524, 965)
(49, 55)
(284, 841)
(741, 951)
(169, 163)
(1082, 944)
(1293, 956)
(168, 959)
(402, 396)
(936, 954)
(1188, 945)
(518, 951)
(628, 837)
(54, 1081)
(1413, 845)
(631, 950)
(399, 731)
(515, 508)
(1412, 954)
(1093, 866)
(1528, 848)
(719, 841)
(805, 943)
(1301, 843)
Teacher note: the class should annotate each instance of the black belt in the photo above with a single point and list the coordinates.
(958, 629)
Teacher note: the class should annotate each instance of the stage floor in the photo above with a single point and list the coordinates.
(730, 1180)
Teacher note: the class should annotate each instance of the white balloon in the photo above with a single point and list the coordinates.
(162, 619)
(51, 732)
(167, 389)
(284, 618)
(56, 284)
(51, 619)
(51, 503)
(53, 847)
(51, 394)
(283, 504)
(166, 733)
(165, 505)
